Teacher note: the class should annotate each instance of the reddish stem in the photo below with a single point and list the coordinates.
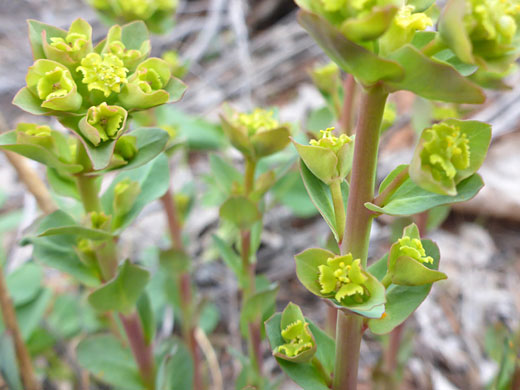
(349, 92)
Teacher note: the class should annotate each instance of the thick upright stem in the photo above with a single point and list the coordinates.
(359, 222)
(143, 352)
(88, 190)
(349, 328)
(254, 339)
(184, 282)
(11, 324)
(349, 91)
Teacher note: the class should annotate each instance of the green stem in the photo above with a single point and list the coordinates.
(339, 208)
(249, 177)
(88, 190)
(387, 280)
(317, 364)
(433, 47)
(345, 115)
(349, 329)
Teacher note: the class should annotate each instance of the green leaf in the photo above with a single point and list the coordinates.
(176, 89)
(122, 292)
(31, 314)
(105, 358)
(79, 231)
(320, 195)
(304, 374)
(8, 367)
(230, 257)
(409, 272)
(409, 199)
(134, 34)
(269, 142)
(401, 301)
(224, 172)
(290, 191)
(453, 30)
(370, 26)
(59, 251)
(62, 184)
(176, 369)
(154, 180)
(259, 306)
(241, 211)
(209, 317)
(367, 67)
(36, 152)
(432, 79)
(24, 283)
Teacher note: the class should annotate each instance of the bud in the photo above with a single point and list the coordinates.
(326, 78)
(177, 66)
(105, 73)
(257, 134)
(99, 220)
(300, 346)
(329, 158)
(52, 83)
(31, 133)
(403, 28)
(408, 262)
(130, 57)
(73, 47)
(103, 123)
(126, 147)
(447, 153)
(145, 85)
(125, 195)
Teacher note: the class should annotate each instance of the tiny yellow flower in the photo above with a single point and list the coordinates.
(105, 73)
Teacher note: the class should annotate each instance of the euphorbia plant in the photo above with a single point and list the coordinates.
(93, 91)
(385, 46)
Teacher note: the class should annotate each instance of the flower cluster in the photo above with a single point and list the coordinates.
(412, 247)
(157, 14)
(298, 339)
(343, 278)
(92, 92)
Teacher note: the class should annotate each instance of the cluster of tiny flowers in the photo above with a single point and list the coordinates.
(258, 121)
(329, 141)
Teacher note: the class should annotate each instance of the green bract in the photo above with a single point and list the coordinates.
(69, 50)
(103, 123)
(52, 84)
(126, 147)
(341, 279)
(146, 85)
(408, 259)
(31, 133)
(300, 345)
(105, 73)
(482, 32)
(257, 134)
(157, 14)
(326, 77)
(130, 57)
(448, 153)
(329, 158)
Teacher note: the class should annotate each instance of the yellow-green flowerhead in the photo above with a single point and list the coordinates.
(326, 77)
(32, 133)
(52, 83)
(445, 151)
(298, 339)
(69, 47)
(131, 57)
(298, 344)
(412, 247)
(105, 73)
(330, 141)
(73, 42)
(258, 121)
(403, 28)
(329, 158)
(99, 220)
(343, 278)
(256, 134)
(103, 123)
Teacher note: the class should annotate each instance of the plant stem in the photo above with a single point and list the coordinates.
(349, 328)
(248, 268)
(184, 283)
(339, 208)
(11, 324)
(108, 262)
(143, 352)
(349, 91)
